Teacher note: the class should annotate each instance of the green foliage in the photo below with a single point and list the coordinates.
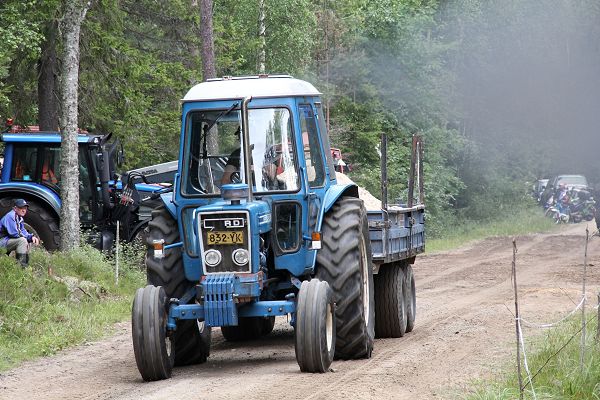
(41, 313)
(452, 72)
(562, 377)
(456, 231)
(21, 25)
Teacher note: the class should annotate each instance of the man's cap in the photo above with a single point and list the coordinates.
(20, 203)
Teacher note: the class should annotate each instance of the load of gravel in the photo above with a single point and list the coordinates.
(371, 202)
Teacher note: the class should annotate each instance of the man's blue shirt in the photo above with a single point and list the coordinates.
(12, 227)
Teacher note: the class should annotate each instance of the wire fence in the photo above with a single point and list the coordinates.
(520, 321)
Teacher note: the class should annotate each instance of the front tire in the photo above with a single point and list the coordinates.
(314, 333)
(345, 263)
(151, 347)
(191, 340)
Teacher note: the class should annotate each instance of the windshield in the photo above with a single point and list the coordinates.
(572, 180)
(213, 156)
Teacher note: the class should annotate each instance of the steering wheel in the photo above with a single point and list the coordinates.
(236, 177)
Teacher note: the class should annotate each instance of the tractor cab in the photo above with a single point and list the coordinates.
(253, 151)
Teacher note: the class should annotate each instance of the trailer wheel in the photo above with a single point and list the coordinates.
(314, 333)
(390, 307)
(345, 263)
(410, 293)
(39, 221)
(151, 346)
(191, 340)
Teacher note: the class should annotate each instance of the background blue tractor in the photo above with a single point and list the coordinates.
(257, 227)
(30, 170)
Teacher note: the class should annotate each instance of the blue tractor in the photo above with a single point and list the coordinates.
(30, 170)
(258, 226)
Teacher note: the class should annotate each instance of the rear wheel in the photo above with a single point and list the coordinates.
(152, 348)
(345, 263)
(248, 328)
(41, 222)
(410, 297)
(314, 333)
(191, 340)
(390, 314)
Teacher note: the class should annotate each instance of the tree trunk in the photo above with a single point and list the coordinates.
(73, 16)
(47, 96)
(262, 54)
(206, 34)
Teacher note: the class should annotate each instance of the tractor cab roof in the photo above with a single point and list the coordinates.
(45, 137)
(258, 86)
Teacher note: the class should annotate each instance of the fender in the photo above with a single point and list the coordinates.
(167, 199)
(33, 191)
(334, 192)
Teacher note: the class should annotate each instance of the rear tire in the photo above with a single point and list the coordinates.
(191, 340)
(248, 328)
(39, 221)
(268, 324)
(314, 333)
(410, 297)
(390, 311)
(152, 348)
(345, 263)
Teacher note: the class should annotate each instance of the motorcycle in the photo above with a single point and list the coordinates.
(560, 215)
(582, 205)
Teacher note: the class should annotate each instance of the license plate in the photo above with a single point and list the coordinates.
(216, 237)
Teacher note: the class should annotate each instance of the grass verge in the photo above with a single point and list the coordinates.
(519, 222)
(556, 355)
(61, 300)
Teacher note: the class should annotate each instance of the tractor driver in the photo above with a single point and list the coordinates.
(233, 163)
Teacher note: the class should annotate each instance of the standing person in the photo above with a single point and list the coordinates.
(14, 236)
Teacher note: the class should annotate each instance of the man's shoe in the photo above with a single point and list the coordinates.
(23, 259)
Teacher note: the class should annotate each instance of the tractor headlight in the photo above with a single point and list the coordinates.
(212, 257)
(240, 257)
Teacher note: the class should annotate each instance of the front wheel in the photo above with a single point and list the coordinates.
(314, 333)
(151, 346)
(191, 339)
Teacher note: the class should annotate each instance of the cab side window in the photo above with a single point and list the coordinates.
(312, 148)
(24, 163)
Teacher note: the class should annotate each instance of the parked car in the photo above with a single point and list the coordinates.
(571, 181)
(538, 189)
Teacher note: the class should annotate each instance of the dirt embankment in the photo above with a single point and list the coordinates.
(464, 330)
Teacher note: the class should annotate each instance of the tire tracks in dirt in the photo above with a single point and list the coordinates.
(464, 331)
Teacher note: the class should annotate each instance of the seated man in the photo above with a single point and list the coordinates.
(232, 167)
(14, 236)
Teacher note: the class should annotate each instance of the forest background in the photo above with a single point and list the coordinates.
(503, 91)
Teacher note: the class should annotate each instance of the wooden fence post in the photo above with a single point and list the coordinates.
(514, 276)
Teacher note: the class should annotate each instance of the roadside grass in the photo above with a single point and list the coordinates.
(61, 300)
(522, 221)
(561, 375)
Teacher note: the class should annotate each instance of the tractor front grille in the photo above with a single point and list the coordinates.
(224, 232)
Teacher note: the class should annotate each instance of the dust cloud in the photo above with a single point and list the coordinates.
(529, 81)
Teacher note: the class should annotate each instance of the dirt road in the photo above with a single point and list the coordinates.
(464, 331)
